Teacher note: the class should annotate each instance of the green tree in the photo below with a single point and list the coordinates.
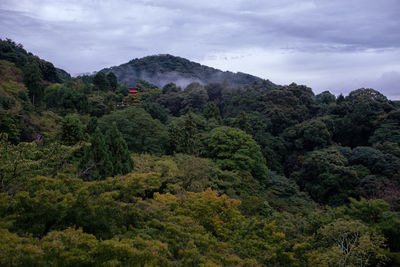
(49, 72)
(9, 125)
(156, 111)
(141, 132)
(52, 95)
(214, 91)
(325, 98)
(98, 108)
(95, 163)
(233, 149)
(211, 111)
(171, 88)
(91, 126)
(242, 122)
(112, 80)
(71, 131)
(308, 135)
(119, 154)
(66, 100)
(387, 135)
(326, 177)
(340, 99)
(284, 107)
(74, 101)
(350, 243)
(172, 101)
(195, 98)
(33, 80)
(360, 111)
(377, 162)
(100, 81)
(272, 147)
(377, 214)
(184, 134)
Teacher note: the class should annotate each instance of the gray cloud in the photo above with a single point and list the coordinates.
(319, 43)
(388, 82)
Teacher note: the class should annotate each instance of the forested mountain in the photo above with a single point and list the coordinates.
(204, 175)
(162, 69)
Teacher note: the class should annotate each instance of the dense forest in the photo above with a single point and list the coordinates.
(162, 69)
(206, 175)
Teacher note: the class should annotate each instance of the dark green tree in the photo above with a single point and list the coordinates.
(8, 125)
(283, 107)
(13, 52)
(48, 71)
(100, 81)
(362, 108)
(112, 80)
(91, 126)
(96, 163)
(376, 161)
(71, 130)
(171, 88)
(172, 101)
(98, 108)
(211, 111)
(325, 175)
(141, 132)
(184, 135)
(52, 95)
(340, 99)
(308, 135)
(33, 80)
(120, 157)
(214, 91)
(242, 122)
(325, 98)
(195, 98)
(156, 111)
(387, 136)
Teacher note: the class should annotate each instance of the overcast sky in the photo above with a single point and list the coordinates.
(336, 45)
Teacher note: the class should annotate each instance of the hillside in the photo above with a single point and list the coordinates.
(16, 54)
(210, 175)
(162, 69)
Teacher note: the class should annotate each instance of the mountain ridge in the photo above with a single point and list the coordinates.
(164, 68)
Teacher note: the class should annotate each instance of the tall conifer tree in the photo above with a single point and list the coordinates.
(96, 164)
(91, 126)
(33, 80)
(119, 153)
(71, 131)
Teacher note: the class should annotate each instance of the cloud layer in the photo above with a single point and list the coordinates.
(336, 45)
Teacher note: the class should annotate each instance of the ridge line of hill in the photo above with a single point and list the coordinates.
(165, 68)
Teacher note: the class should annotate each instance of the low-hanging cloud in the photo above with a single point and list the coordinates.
(318, 43)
